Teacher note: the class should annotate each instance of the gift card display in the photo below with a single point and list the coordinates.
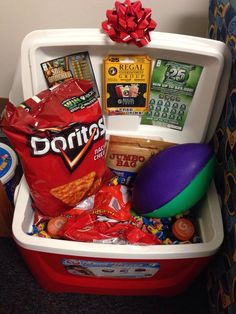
(126, 84)
(173, 85)
(72, 66)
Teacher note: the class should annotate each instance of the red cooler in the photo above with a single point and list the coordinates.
(99, 268)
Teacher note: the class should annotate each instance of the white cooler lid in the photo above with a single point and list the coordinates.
(207, 103)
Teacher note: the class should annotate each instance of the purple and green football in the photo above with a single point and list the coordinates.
(173, 180)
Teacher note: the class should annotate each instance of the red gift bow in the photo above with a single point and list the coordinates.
(129, 23)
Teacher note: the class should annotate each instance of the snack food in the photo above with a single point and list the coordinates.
(107, 217)
(107, 220)
(55, 225)
(183, 229)
(73, 192)
(126, 155)
(60, 137)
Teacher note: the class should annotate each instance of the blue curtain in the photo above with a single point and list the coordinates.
(222, 274)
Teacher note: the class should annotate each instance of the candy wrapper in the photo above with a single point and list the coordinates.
(106, 218)
(129, 23)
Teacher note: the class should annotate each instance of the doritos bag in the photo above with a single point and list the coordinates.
(60, 138)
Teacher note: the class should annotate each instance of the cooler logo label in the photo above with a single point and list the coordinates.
(131, 270)
(72, 143)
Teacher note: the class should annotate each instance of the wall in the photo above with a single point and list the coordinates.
(17, 18)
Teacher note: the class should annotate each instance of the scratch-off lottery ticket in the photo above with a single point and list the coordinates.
(71, 66)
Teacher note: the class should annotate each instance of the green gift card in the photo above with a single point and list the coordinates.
(173, 86)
